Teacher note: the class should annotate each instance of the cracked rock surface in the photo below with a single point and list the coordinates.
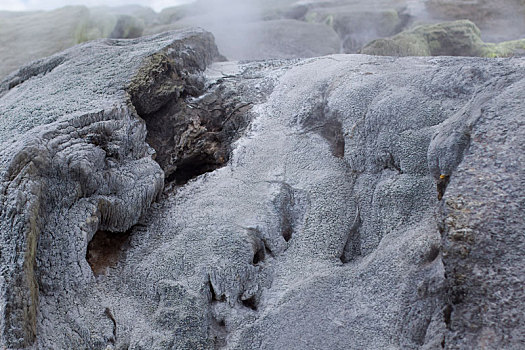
(152, 199)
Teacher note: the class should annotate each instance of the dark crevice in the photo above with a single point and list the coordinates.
(251, 303)
(259, 255)
(193, 138)
(190, 170)
(447, 315)
(432, 254)
(287, 229)
(108, 313)
(214, 296)
(352, 247)
(258, 245)
(105, 249)
(392, 164)
(322, 121)
(291, 205)
(441, 185)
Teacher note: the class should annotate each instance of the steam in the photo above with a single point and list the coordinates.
(32, 5)
(232, 22)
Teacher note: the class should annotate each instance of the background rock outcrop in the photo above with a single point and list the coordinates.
(269, 29)
(459, 38)
(153, 199)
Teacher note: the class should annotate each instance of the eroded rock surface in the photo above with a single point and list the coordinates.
(308, 216)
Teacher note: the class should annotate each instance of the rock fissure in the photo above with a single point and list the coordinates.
(191, 127)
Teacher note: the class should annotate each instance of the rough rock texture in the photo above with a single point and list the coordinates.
(322, 229)
(459, 38)
(74, 161)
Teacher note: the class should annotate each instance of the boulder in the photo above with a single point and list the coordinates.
(459, 38)
(152, 199)
(499, 20)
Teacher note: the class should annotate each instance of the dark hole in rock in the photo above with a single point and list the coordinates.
(188, 171)
(259, 254)
(214, 296)
(432, 254)
(352, 247)
(447, 315)
(105, 250)
(258, 245)
(251, 303)
(291, 205)
(287, 233)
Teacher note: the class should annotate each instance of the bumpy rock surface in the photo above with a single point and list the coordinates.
(344, 202)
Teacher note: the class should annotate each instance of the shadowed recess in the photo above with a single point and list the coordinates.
(105, 250)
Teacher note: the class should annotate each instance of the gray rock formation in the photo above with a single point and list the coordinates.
(499, 20)
(458, 38)
(153, 200)
(359, 22)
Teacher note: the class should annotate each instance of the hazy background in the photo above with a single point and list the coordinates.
(31, 5)
(270, 29)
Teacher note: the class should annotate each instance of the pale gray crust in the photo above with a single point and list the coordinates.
(321, 230)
